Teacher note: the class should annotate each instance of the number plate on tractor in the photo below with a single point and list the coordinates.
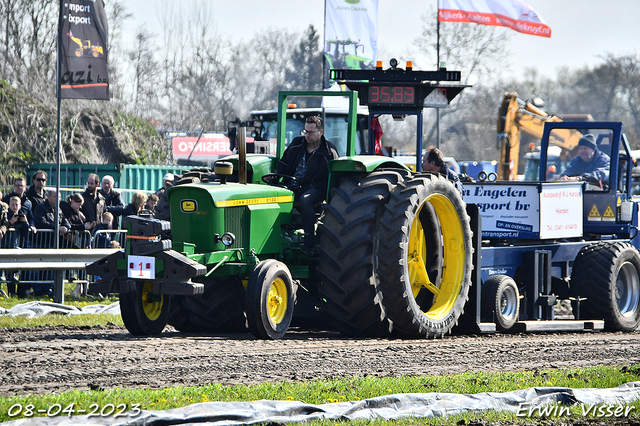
(142, 267)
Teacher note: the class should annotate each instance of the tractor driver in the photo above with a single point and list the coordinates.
(433, 161)
(306, 159)
(590, 164)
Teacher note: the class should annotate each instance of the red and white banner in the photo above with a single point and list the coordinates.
(208, 148)
(515, 14)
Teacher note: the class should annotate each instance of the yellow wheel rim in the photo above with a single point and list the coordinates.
(151, 303)
(277, 300)
(446, 294)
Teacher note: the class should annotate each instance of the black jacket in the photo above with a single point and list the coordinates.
(113, 198)
(317, 173)
(73, 216)
(93, 207)
(44, 215)
(35, 198)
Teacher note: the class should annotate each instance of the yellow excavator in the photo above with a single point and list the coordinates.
(515, 116)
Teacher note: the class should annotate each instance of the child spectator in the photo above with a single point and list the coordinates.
(21, 223)
(152, 201)
(103, 239)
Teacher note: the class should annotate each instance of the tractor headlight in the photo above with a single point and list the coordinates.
(228, 239)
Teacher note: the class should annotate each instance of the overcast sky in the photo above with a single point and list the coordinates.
(582, 30)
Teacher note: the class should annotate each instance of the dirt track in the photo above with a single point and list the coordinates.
(40, 361)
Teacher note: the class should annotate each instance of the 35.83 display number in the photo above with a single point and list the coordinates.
(95, 410)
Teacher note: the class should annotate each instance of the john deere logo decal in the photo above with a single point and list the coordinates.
(189, 206)
(352, 1)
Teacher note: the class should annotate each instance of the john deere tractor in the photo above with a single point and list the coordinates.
(393, 246)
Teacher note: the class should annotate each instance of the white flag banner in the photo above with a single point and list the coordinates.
(350, 35)
(515, 14)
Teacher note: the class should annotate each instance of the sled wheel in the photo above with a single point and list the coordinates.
(270, 300)
(424, 257)
(608, 274)
(144, 313)
(500, 301)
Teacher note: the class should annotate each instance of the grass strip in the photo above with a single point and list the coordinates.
(327, 391)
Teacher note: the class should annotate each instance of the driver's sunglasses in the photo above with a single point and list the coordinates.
(41, 180)
(304, 132)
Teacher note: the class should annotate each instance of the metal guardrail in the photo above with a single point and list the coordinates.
(30, 259)
(50, 259)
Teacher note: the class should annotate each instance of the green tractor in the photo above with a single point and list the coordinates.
(394, 248)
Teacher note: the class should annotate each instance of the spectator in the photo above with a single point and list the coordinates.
(45, 214)
(162, 211)
(20, 190)
(94, 202)
(21, 224)
(111, 196)
(133, 208)
(103, 239)
(45, 219)
(71, 208)
(4, 222)
(19, 221)
(36, 192)
(151, 203)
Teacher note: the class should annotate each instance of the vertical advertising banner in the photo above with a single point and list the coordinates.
(350, 35)
(82, 58)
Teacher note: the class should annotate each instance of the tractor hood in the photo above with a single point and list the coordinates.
(236, 194)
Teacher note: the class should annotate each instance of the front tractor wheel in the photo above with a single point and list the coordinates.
(424, 257)
(270, 300)
(144, 313)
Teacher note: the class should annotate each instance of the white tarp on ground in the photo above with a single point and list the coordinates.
(37, 309)
(390, 407)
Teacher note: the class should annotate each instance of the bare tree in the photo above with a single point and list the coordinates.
(145, 68)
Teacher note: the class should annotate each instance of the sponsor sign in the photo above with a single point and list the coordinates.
(209, 147)
(527, 211)
(83, 35)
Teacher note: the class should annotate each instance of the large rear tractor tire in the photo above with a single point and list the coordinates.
(424, 257)
(179, 316)
(500, 301)
(143, 312)
(608, 275)
(219, 309)
(270, 300)
(345, 246)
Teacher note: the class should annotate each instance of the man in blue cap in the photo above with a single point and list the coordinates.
(591, 164)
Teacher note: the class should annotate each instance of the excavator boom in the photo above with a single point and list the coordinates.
(516, 116)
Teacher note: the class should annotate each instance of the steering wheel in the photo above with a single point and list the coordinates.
(274, 180)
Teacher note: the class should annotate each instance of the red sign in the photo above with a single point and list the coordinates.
(209, 147)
